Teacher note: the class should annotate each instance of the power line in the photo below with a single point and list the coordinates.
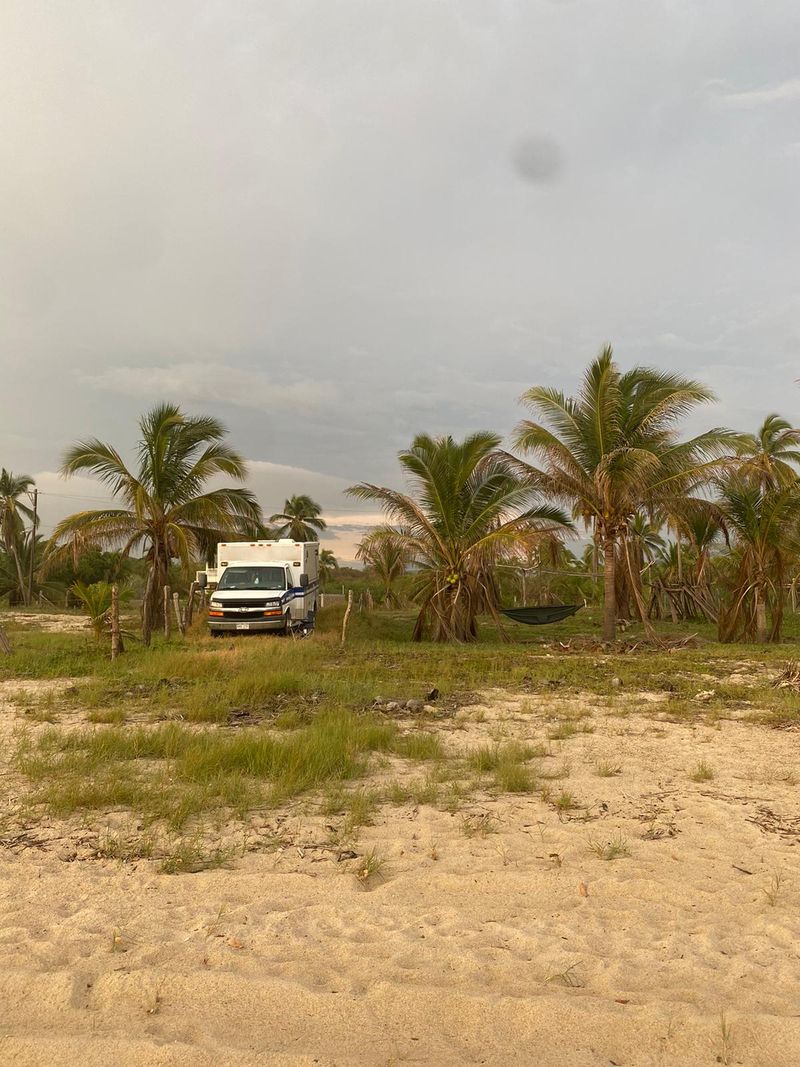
(77, 496)
(110, 500)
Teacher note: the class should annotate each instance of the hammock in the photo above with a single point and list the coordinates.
(540, 616)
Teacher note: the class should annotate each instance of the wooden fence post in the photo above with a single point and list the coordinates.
(369, 603)
(176, 600)
(187, 619)
(146, 618)
(116, 635)
(347, 613)
(166, 611)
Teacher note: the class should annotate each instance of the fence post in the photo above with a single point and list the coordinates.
(149, 591)
(116, 636)
(187, 619)
(347, 614)
(176, 600)
(166, 611)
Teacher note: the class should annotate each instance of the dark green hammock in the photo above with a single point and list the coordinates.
(543, 615)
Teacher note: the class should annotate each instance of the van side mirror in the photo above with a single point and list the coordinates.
(202, 580)
(304, 581)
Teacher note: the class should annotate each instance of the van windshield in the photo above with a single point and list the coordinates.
(272, 578)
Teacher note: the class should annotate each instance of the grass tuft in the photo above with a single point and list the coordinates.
(703, 772)
(614, 849)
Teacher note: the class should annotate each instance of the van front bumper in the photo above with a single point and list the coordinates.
(256, 625)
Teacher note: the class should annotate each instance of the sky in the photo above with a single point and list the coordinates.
(337, 223)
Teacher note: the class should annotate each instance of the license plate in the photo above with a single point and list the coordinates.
(242, 625)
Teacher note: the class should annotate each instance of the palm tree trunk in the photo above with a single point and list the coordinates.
(679, 553)
(761, 616)
(152, 604)
(23, 588)
(609, 590)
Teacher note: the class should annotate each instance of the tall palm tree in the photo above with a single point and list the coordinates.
(386, 551)
(773, 454)
(468, 504)
(300, 519)
(762, 523)
(166, 511)
(614, 449)
(12, 515)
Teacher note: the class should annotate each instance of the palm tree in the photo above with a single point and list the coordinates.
(614, 450)
(773, 454)
(468, 504)
(327, 563)
(300, 519)
(12, 515)
(386, 551)
(166, 511)
(763, 524)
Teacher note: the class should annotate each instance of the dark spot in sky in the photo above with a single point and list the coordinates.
(537, 160)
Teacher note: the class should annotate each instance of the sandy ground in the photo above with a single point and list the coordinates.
(517, 945)
(52, 624)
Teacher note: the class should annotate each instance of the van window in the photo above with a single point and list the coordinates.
(269, 578)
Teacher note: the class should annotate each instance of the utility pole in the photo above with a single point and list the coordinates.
(33, 545)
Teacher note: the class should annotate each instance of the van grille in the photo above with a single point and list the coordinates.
(242, 604)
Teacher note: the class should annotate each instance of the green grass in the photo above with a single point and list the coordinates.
(158, 739)
(190, 857)
(174, 772)
(703, 772)
(607, 769)
(615, 848)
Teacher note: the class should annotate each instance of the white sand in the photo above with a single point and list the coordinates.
(50, 623)
(453, 956)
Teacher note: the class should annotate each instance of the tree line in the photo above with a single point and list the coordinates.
(608, 465)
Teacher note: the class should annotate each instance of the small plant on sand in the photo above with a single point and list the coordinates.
(514, 778)
(370, 866)
(726, 1040)
(774, 890)
(568, 977)
(127, 849)
(703, 772)
(614, 849)
(478, 825)
(563, 731)
(604, 769)
(565, 801)
(189, 858)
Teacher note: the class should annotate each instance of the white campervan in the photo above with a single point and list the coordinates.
(263, 585)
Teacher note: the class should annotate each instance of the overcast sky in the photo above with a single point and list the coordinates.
(335, 223)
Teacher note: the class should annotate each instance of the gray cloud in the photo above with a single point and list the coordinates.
(777, 93)
(310, 218)
(210, 383)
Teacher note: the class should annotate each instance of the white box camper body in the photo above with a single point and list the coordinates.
(263, 585)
